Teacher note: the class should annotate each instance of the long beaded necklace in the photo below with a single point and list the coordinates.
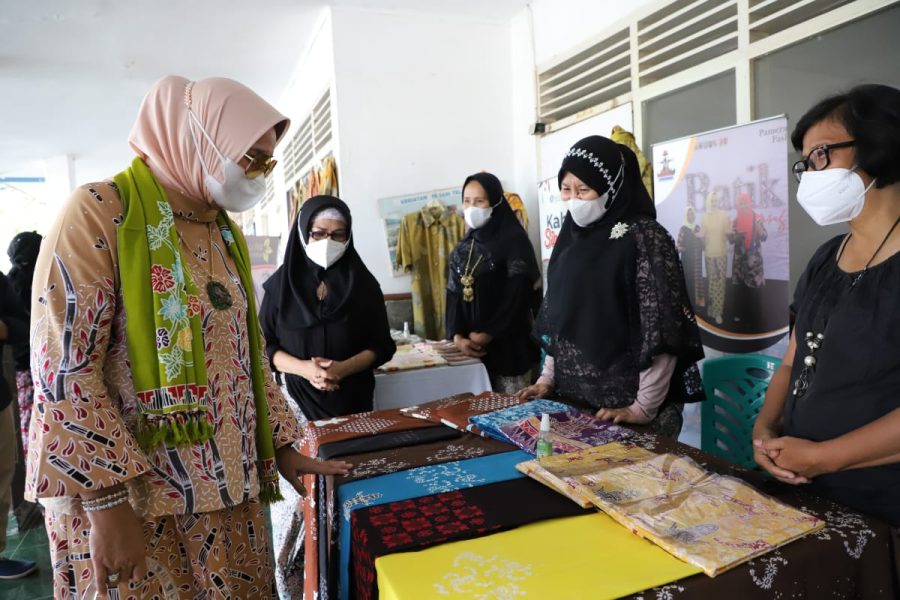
(467, 279)
(813, 340)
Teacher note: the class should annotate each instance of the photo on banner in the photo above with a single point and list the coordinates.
(723, 195)
(393, 209)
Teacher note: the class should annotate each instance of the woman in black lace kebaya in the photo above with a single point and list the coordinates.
(492, 273)
(620, 332)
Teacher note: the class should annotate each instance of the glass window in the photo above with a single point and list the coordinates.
(699, 107)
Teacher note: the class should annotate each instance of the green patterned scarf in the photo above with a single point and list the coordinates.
(164, 330)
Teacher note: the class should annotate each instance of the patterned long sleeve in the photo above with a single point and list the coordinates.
(79, 438)
(86, 408)
(285, 429)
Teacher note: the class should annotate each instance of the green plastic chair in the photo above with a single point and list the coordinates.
(735, 389)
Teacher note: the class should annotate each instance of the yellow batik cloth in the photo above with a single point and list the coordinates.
(589, 556)
(709, 520)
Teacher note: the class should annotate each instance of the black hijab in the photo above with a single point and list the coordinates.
(23, 252)
(348, 281)
(591, 274)
(502, 235)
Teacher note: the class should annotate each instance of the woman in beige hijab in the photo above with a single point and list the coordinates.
(157, 431)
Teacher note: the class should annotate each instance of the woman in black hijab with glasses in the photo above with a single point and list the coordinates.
(323, 315)
(492, 274)
(618, 326)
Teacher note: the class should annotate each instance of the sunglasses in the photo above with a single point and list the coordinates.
(260, 164)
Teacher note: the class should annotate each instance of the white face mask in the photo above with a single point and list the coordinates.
(832, 195)
(324, 252)
(585, 212)
(477, 216)
(236, 192)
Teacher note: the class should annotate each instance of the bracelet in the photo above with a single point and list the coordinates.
(103, 502)
(105, 505)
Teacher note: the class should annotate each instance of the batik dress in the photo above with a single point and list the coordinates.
(203, 525)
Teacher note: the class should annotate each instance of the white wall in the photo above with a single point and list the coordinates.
(561, 25)
(422, 101)
(522, 115)
(553, 146)
(312, 75)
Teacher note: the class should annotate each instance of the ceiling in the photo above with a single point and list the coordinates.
(73, 72)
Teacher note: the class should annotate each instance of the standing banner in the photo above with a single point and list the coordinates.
(723, 196)
(263, 260)
(393, 209)
(552, 213)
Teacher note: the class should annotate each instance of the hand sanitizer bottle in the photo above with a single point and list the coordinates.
(544, 445)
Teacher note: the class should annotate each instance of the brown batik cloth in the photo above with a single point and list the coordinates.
(455, 411)
(326, 431)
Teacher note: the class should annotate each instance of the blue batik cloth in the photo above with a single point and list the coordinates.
(414, 483)
(490, 423)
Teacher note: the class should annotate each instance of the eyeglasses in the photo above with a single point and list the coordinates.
(817, 159)
(260, 164)
(338, 235)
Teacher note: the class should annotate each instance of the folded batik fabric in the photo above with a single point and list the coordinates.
(569, 431)
(712, 521)
(411, 357)
(413, 483)
(490, 423)
(456, 410)
(329, 431)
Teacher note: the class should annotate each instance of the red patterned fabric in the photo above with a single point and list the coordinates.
(419, 523)
(316, 434)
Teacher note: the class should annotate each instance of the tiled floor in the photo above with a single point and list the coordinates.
(29, 545)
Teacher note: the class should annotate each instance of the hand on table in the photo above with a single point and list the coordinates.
(629, 414)
(538, 390)
(293, 466)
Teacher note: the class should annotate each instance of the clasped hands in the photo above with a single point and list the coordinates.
(789, 459)
(474, 345)
(323, 373)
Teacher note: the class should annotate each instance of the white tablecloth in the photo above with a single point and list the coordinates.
(407, 388)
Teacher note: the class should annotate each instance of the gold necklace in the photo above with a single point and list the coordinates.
(467, 279)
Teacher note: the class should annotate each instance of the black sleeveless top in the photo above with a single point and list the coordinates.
(857, 372)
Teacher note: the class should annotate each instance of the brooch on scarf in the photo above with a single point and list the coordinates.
(618, 231)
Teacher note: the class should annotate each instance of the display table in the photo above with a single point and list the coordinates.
(852, 557)
(400, 389)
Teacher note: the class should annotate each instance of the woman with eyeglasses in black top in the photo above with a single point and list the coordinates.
(831, 417)
(323, 315)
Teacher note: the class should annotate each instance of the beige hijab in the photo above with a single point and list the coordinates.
(233, 115)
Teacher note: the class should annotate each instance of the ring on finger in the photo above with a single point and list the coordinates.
(112, 579)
